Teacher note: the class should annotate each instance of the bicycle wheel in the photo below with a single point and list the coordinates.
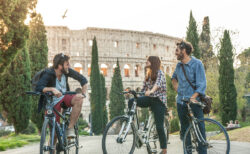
(216, 139)
(72, 144)
(45, 138)
(153, 138)
(111, 141)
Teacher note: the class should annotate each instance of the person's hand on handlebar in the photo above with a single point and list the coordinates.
(147, 93)
(84, 89)
(192, 99)
(56, 92)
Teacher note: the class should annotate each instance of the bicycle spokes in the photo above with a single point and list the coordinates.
(119, 134)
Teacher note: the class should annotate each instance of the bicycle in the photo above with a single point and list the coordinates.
(215, 139)
(51, 127)
(125, 131)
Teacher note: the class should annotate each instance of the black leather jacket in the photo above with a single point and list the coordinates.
(48, 79)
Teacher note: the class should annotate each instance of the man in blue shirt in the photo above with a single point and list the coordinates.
(196, 74)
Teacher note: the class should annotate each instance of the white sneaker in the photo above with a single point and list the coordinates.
(70, 133)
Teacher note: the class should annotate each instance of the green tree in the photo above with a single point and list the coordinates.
(144, 114)
(13, 84)
(171, 93)
(103, 100)
(38, 51)
(227, 90)
(95, 98)
(192, 36)
(117, 101)
(205, 44)
(13, 31)
(242, 78)
(212, 90)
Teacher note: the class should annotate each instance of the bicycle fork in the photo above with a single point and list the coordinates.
(120, 138)
(197, 135)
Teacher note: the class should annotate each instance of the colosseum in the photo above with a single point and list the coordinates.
(131, 48)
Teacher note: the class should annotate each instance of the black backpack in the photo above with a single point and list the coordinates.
(36, 78)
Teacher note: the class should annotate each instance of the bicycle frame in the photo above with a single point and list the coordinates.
(133, 115)
(193, 121)
(51, 118)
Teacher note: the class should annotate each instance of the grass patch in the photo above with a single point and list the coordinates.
(240, 134)
(13, 141)
(176, 133)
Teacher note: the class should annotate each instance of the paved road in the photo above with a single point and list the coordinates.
(92, 145)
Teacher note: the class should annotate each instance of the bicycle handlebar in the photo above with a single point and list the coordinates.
(50, 93)
(133, 93)
(198, 103)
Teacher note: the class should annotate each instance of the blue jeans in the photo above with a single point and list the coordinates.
(183, 116)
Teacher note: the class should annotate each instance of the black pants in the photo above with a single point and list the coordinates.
(159, 110)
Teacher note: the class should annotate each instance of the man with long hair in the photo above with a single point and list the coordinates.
(155, 97)
(196, 75)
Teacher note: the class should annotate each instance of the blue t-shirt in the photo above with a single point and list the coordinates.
(61, 86)
(195, 73)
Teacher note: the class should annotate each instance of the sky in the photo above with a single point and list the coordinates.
(169, 17)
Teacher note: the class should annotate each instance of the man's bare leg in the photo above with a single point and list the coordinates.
(76, 109)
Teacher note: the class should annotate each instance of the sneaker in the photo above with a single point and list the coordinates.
(70, 133)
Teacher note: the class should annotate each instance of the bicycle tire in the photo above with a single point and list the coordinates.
(106, 132)
(211, 133)
(45, 128)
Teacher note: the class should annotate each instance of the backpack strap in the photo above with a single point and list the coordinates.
(182, 66)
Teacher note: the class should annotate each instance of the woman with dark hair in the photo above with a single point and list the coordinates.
(155, 97)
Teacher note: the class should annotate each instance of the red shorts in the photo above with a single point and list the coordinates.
(67, 101)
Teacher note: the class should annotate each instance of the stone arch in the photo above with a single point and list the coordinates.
(89, 69)
(104, 69)
(126, 70)
(78, 67)
(137, 70)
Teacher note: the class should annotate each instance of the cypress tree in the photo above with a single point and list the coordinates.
(117, 101)
(171, 93)
(13, 31)
(13, 84)
(38, 51)
(205, 43)
(95, 83)
(103, 100)
(192, 36)
(227, 90)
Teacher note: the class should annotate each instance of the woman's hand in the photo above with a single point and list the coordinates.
(147, 93)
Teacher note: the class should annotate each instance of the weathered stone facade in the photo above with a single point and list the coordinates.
(131, 48)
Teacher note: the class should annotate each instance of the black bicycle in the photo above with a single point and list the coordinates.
(214, 140)
(51, 127)
(122, 134)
